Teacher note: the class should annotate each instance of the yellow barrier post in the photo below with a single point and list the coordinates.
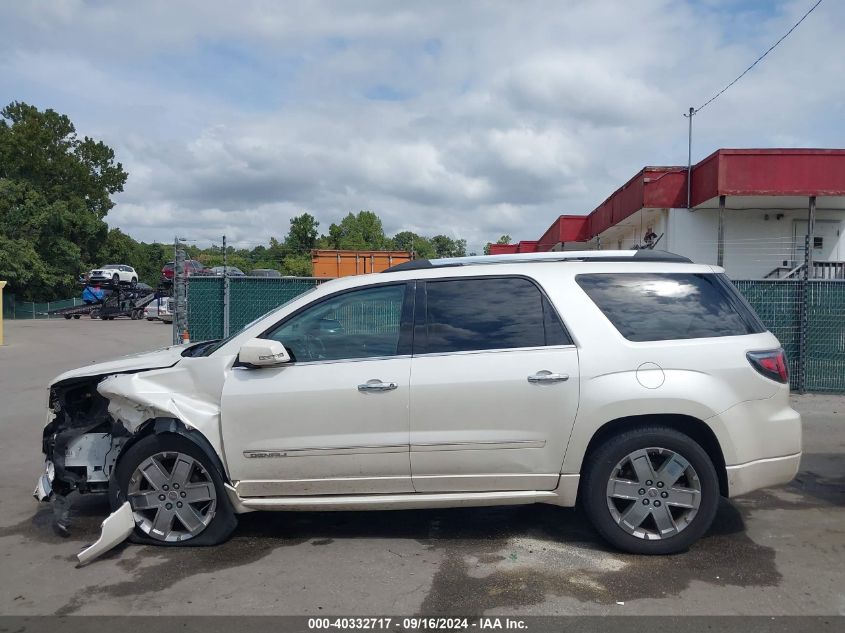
(2, 285)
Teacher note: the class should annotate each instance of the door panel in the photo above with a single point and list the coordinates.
(477, 423)
(336, 420)
(825, 240)
(494, 386)
(307, 429)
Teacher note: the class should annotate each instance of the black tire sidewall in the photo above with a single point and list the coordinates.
(224, 521)
(602, 462)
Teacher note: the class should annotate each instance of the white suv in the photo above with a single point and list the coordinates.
(115, 273)
(634, 382)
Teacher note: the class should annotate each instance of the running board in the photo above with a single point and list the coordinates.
(410, 501)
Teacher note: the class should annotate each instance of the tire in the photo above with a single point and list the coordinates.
(134, 281)
(76, 316)
(660, 518)
(67, 316)
(115, 278)
(208, 521)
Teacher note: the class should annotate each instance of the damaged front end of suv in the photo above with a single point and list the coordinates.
(94, 414)
(81, 443)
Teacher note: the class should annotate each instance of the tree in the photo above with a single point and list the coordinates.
(505, 239)
(298, 265)
(55, 190)
(447, 247)
(410, 241)
(302, 236)
(359, 232)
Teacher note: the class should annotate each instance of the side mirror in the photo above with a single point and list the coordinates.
(260, 352)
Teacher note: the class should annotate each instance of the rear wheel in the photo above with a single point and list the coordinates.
(651, 491)
(176, 493)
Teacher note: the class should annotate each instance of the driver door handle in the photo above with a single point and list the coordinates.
(377, 385)
(547, 376)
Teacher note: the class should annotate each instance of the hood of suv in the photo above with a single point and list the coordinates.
(158, 359)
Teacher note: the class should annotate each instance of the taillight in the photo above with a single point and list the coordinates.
(772, 364)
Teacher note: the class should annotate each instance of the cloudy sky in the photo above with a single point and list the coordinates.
(466, 118)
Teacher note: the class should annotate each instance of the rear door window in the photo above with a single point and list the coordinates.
(488, 313)
(668, 306)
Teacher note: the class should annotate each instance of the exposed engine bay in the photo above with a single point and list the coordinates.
(82, 441)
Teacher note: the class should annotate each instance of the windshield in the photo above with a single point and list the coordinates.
(208, 351)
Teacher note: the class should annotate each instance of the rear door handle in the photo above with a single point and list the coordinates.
(377, 385)
(547, 376)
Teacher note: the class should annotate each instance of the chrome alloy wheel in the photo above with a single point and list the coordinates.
(653, 493)
(173, 497)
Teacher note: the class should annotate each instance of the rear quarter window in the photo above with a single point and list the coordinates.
(668, 306)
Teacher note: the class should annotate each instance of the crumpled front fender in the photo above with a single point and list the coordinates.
(167, 393)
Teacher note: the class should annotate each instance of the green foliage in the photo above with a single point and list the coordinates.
(505, 239)
(55, 190)
(302, 236)
(447, 247)
(361, 232)
(298, 265)
(410, 241)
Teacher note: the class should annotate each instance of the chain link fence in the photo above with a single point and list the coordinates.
(13, 309)
(808, 317)
(249, 298)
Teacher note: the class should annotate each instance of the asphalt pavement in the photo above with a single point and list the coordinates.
(774, 552)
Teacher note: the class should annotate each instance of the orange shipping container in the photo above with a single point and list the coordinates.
(331, 263)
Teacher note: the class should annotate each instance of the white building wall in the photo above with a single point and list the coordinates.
(754, 245)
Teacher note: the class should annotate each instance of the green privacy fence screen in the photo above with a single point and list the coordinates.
(819, 361)
(820, 315)
(249, 298)
(13, 309)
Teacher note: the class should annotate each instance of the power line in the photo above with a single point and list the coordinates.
(694, 111)
(757, 61)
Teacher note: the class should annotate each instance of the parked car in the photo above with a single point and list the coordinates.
(192, 267)
(158, 310)
(229, 271)
(635, 383)
(265, 272)
(165, 310)
(114, 273)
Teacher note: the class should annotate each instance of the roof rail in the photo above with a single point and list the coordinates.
(642, 255)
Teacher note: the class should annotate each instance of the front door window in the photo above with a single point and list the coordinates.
(360, 324)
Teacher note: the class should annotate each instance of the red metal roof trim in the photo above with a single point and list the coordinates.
(726, 172)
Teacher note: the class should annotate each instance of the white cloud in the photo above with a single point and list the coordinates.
(464, 118)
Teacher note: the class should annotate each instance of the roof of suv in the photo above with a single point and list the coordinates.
(643, 255)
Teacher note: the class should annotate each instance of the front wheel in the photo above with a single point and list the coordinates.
(651, 491)
(176, 493)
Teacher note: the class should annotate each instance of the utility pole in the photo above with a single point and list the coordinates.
(179, 291)
(689, 158)
(225, 290)
(720, 234)
(804, 306)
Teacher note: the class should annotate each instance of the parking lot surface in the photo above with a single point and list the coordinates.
(774, 552)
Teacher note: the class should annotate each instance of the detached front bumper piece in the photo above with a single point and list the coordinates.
(117, 526)
(44, 487)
